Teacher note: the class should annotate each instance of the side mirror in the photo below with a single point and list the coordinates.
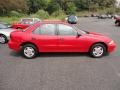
(78, 34)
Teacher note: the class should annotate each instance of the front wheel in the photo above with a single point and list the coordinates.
(98, 50)
(3, 39)
(29, 51)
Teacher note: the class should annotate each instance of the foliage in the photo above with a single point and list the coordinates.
(93, 5)
(41, 14)
(82, 5)
(71, 8)
(9, 5)
(58, 13)
(9, 20)
(15, 14)
(35, 5)
(55, 8)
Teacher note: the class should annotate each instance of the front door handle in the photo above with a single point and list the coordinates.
(61, 39)
(33, 38)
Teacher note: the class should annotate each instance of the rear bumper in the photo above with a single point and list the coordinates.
(14, 46)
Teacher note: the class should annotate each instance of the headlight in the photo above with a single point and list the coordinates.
(111, 42)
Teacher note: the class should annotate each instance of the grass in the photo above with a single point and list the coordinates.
(11, 20)
(83, 13)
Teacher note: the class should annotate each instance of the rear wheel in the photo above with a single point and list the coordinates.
(3, 39)
(29, 51)
(98, 50)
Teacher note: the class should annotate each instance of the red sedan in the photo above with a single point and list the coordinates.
(24, 23)
(59, 37)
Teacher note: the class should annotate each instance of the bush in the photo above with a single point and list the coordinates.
(83, 13)
(41, 14)
(71, 8)
(60, 14)
(52, 7)
(9, 20)
(117, 10)
(15, 14)
(110, 10)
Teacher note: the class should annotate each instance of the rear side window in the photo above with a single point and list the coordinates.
(46, 29)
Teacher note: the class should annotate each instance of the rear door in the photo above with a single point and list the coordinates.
(45, 37)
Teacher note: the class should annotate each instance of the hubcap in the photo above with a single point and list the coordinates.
(29, 52)
(2, 39)
(98, 51)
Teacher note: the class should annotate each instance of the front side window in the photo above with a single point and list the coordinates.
(66, 30)
(27, 21)
(46, 29)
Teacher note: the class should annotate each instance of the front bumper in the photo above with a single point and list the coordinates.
(111, 47)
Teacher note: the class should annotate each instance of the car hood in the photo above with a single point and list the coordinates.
(98, 37)
(7, 30)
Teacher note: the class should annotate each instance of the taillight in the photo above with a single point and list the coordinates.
(10, 36)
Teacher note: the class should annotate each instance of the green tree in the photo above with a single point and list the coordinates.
(94, 4)
(53, 7)
(35, 5)
(12, 5)
(71, 8)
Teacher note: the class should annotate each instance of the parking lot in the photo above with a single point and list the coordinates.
(64, 71)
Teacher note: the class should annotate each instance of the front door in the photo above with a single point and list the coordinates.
(68, 39)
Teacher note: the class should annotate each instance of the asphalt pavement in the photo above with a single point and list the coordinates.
(64, 71)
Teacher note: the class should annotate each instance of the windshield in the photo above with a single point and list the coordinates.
(72, 17)
(27, 21)
(2, 26)
(27, 28)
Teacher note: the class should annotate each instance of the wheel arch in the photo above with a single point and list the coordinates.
(24, 43)
(100, 43)
(19, 27)
(2, 34)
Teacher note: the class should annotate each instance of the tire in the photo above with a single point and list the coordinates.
(117, 23)
(29, 51)
(98, 50)
(3, 39)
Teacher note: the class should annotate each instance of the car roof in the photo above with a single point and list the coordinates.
(3, 23)
(30, 18)
(54, 22)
